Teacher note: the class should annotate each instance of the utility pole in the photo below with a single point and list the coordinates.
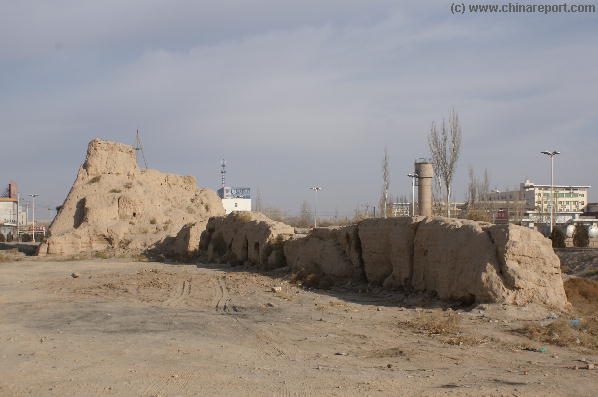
(18, 205)
(413, 177)
(223, 174)
(139, 148)
(33, 214)
(551, 154)
(316, 189)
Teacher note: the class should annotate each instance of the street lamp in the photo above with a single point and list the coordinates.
(33, 213)
(551, 154)
(413, 177)
(316, 189)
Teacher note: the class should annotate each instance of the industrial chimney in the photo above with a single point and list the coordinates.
(425, 172)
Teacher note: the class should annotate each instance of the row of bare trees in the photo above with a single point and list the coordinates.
(444, 142)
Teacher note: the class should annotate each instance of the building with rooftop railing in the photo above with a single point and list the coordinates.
(12, 213)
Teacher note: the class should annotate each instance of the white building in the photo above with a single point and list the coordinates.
(567, 198)
(569, 201)
(235, 198)
(8, 211)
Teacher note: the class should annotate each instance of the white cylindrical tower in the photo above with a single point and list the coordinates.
(425, 173)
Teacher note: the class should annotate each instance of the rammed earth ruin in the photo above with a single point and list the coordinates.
(116, 207)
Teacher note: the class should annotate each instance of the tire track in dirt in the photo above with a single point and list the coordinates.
(302, 390)
(181, 296)
(174, 384)
(224, 305)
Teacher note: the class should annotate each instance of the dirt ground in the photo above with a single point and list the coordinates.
(122, 328)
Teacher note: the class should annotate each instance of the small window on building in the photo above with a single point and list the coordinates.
(236, 205)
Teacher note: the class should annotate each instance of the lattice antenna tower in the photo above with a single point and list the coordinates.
(223, 172)
(139, 148)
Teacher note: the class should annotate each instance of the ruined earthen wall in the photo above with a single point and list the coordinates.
(455, 259)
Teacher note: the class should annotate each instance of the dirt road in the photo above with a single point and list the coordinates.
(121, 328)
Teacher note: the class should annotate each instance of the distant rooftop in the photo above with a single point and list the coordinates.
(229, 192)
(532, 184)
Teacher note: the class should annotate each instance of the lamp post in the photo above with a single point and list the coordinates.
(316, 189)
(551, 154)
(18, 205)
(33, 214)
(413, 177)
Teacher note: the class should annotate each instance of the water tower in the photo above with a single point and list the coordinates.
(425, 172)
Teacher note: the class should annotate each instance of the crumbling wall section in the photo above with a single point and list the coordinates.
(335, 252)
(244, 237)
(456, 259)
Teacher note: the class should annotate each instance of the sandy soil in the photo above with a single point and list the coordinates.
(153, 329)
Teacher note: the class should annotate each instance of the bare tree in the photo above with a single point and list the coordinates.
(274, 213)
(305, 214)
(484, 190)
(478, 196)
(259, 204)
(385, 184)
(472, 189)
(445, 146)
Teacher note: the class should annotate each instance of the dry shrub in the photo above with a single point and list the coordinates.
(462, 339)
(445, 327)
(94, 179)
(243, 216)
(560, 333)
(583, 295)
(438, 324)
(281, 295)
(5, 258)
(478, 215)
(312, 280)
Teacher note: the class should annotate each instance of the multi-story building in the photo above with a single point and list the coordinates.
(10, 210)
(401, 209)
(570, 201)
(567, 198)
(235, 198)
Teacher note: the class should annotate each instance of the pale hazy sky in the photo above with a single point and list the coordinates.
(295, 93)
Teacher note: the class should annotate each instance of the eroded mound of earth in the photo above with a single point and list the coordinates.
(115, 205)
